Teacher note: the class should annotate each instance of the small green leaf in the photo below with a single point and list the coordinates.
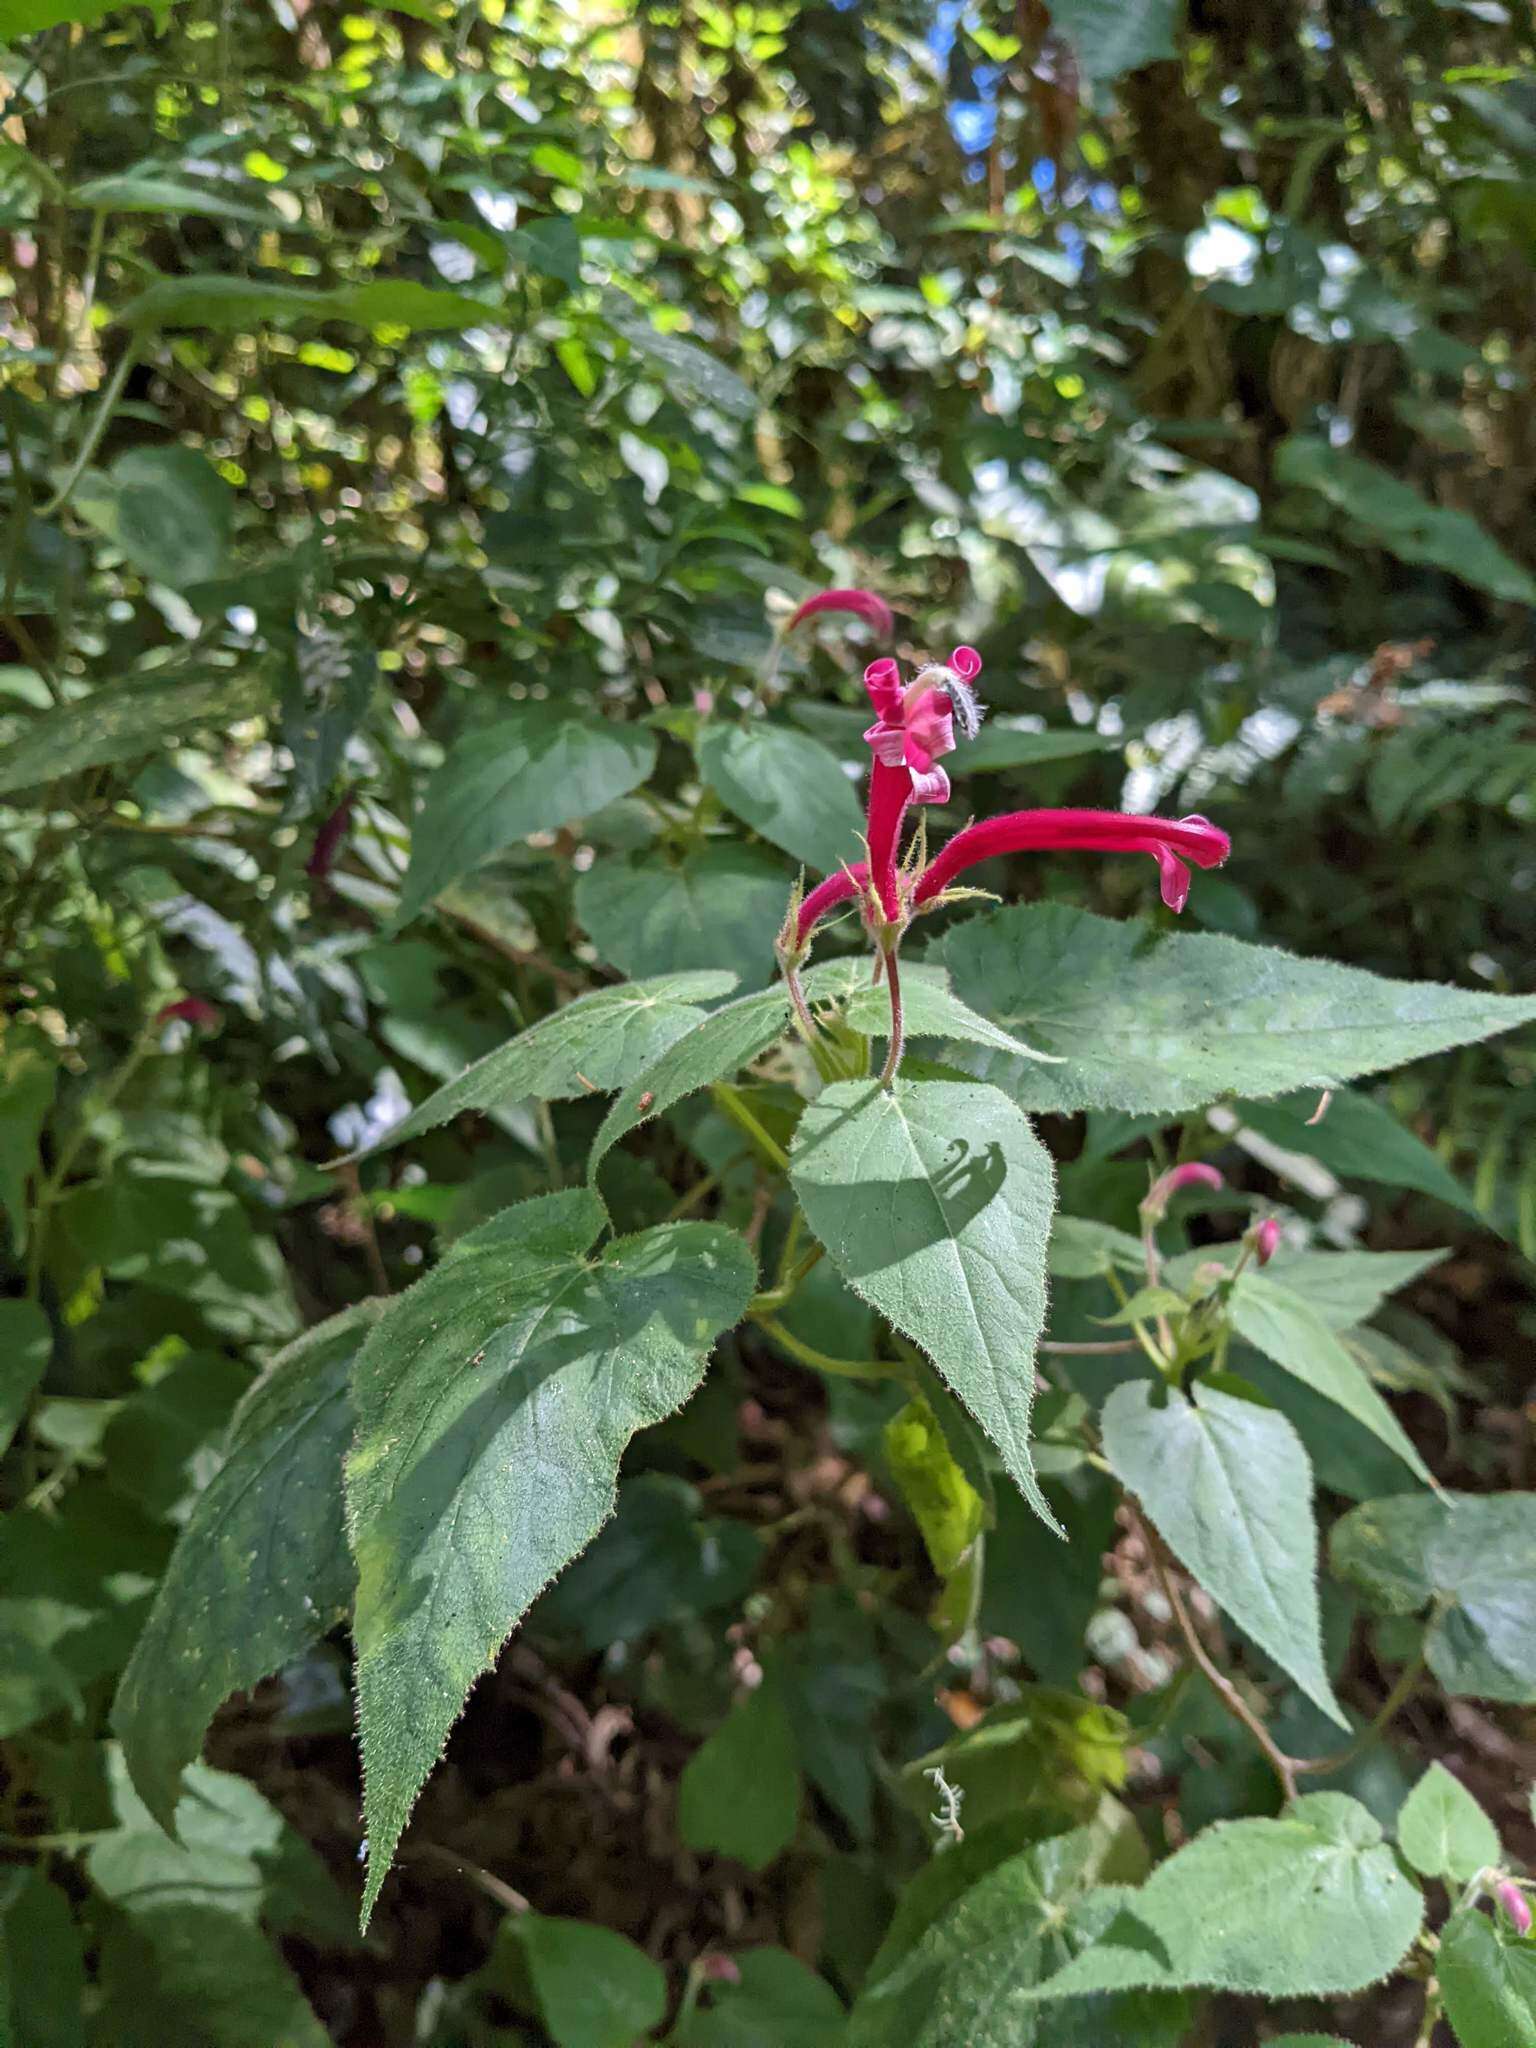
(595, 1988)
(1443, 1831)
(1144, 1021)
(930, 1009)
(933, 1200)
(786, 786)
(494, 1402)
(1303, 1907)
(530, 772)
(127, 722)
(1470, 1556)
(29, 1068)
(1286, 1328)
(1487, 1978)
(740, 1792)
(1229, 1488)
(593, 1045)
(717, 907)
(776, 2002)
(947, 1508)
(261, 1569)
(329, 686)
(662, 1558)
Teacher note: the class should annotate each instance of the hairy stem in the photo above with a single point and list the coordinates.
(898, 1030)
(1282, 1765)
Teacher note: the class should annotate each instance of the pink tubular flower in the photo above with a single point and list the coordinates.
(864, 604)
(1194, 1173)
(1515, 1904)
(1172, 842)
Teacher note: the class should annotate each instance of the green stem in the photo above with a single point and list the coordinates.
(52, 1186)
(821, 1361)
(112, 392)
(787, 1287)
(1402, 1691)
(729, 1102)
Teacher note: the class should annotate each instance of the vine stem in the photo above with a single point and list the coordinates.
(898, 1030)
(1282, 1765)
(728, 1101)
(821, 1361)
(93, 433)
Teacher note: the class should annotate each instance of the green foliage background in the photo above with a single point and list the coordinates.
(417, 421)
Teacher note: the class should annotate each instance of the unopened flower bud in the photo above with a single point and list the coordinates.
(715, 1968)
(1194, 1174)
(1515, 1904)
(1265, 1238)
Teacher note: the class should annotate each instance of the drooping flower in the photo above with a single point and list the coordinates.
(864, 604)
(1194, 1173)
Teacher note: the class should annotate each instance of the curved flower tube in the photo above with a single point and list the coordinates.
(1172, 842)
(864, 604)
(827, 895)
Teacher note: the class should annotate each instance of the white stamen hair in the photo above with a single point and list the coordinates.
(968, 707)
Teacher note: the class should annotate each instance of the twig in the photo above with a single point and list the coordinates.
(1282, 1765)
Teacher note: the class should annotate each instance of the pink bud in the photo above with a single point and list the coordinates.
(966, 663)
(190, 1010)
(704, 702)
(1515, 1904)
(717, 1969)
(1195, 1173)
(864, 604)
(1266, 1240)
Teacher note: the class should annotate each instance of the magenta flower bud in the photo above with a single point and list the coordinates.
(328, 843)
(1266, 1239)
(715, 1968)
(1515, 1904)
(1162, 1191)
(191, 1010)
(863, 604)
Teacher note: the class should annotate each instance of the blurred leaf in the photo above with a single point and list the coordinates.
(234, 305)
(774, 2002)
(329, 686)
(740, 1792)
(125, 722)
(596, 1989)
(1115, 36)
(786, 786)
(1359, 1138)
(168, 509)
(684, 365)
(718, 907)
(42, 1966)
(1470, 1556)
(530, 772)
(148, 192)
(1394, 514)
(26, 1344)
